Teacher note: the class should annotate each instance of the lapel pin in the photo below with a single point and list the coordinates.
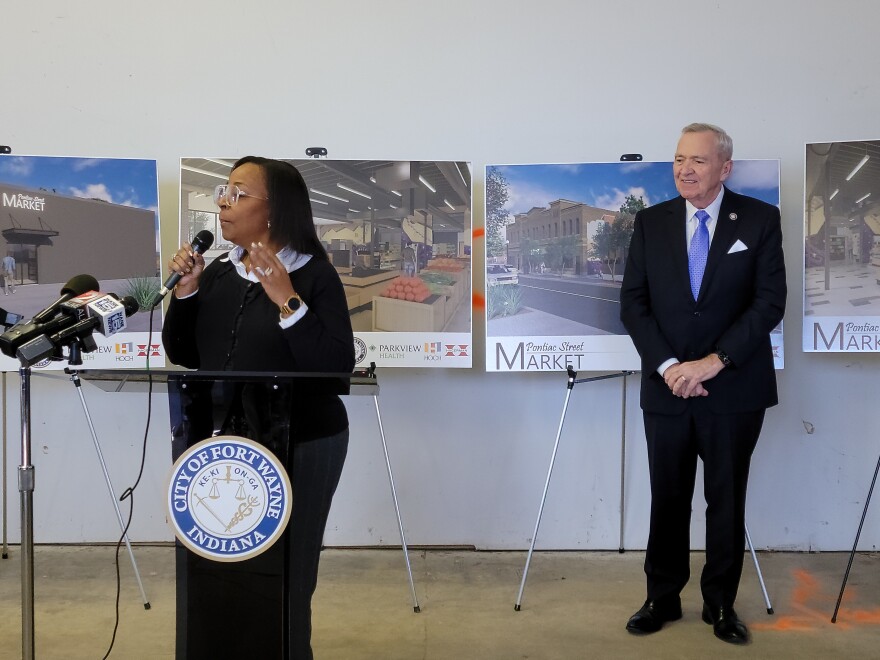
(733, 216)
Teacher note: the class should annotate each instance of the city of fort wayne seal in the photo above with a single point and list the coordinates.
(229, 498)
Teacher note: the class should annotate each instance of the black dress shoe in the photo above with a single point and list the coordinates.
(727, 625)
(653, 615)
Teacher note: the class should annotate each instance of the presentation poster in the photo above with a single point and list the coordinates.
(61, 217)
(557, 237)
(399, 235)
(842, 247)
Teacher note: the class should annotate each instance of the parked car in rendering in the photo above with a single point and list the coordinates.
(501, 274)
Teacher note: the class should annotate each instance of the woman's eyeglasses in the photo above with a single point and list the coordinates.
(231, 193)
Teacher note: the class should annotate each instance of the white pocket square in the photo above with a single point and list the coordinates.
(739, 246)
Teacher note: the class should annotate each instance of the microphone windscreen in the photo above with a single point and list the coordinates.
(79, 284)
(203, 241)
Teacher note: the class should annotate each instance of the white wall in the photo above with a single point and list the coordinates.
(493, 81)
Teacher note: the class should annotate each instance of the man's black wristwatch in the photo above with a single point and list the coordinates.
(723, 357)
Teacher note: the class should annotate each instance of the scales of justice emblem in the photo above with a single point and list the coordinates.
(229, 498)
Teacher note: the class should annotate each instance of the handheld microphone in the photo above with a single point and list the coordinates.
(200, 243)
(75, 286)
(104, 313)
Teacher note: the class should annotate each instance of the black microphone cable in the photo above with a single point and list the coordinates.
(128, 493)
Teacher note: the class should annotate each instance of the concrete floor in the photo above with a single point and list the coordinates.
(575, 605)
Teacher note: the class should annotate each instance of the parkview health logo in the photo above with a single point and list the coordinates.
(229, 498)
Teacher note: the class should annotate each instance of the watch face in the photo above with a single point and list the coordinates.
(293, 303)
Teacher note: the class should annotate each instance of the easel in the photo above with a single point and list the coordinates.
(572, 380)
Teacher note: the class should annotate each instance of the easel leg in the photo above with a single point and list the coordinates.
(522, 584)
(852, 554)
(78, 384)
(412, 586)
(758, 569)
(622, 462)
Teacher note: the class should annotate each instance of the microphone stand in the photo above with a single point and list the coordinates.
(26, 496)
(26, 480)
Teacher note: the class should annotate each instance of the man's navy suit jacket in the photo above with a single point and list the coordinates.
(742, 298)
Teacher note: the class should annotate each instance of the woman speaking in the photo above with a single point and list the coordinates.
(273, 303)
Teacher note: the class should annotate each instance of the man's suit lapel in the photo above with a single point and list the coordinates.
(725, 230)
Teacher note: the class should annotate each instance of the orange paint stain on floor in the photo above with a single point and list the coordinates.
(815, 607)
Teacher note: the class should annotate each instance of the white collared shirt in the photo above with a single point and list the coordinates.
(692, 222)
(291, 260)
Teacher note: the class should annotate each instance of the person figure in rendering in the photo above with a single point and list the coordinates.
(703, 287)
(273, 303)
(8, 265)
(409, 260)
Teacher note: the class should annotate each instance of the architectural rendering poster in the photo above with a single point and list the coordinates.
(61, 217)
(399, 235)
(842, 247)
(556, 245)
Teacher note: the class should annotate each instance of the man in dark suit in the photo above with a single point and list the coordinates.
(703, 287)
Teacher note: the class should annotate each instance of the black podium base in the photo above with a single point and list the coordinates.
(231, 609)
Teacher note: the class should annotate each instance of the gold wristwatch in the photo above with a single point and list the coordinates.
(293, 303)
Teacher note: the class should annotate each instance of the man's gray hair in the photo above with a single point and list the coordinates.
(722, 139)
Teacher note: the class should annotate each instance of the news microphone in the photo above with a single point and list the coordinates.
(54, 320)
(201, 243)
(104, 313)
(75, 286)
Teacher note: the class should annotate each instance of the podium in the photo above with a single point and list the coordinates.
(239, 609)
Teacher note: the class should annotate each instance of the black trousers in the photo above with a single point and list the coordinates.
(314, 472)
(725, 444)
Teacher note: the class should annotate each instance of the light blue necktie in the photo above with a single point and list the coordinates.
(698, 252)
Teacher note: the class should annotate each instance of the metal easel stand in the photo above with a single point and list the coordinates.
(852, 554)
(572, 380)
(370, 373)
(74, 378)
